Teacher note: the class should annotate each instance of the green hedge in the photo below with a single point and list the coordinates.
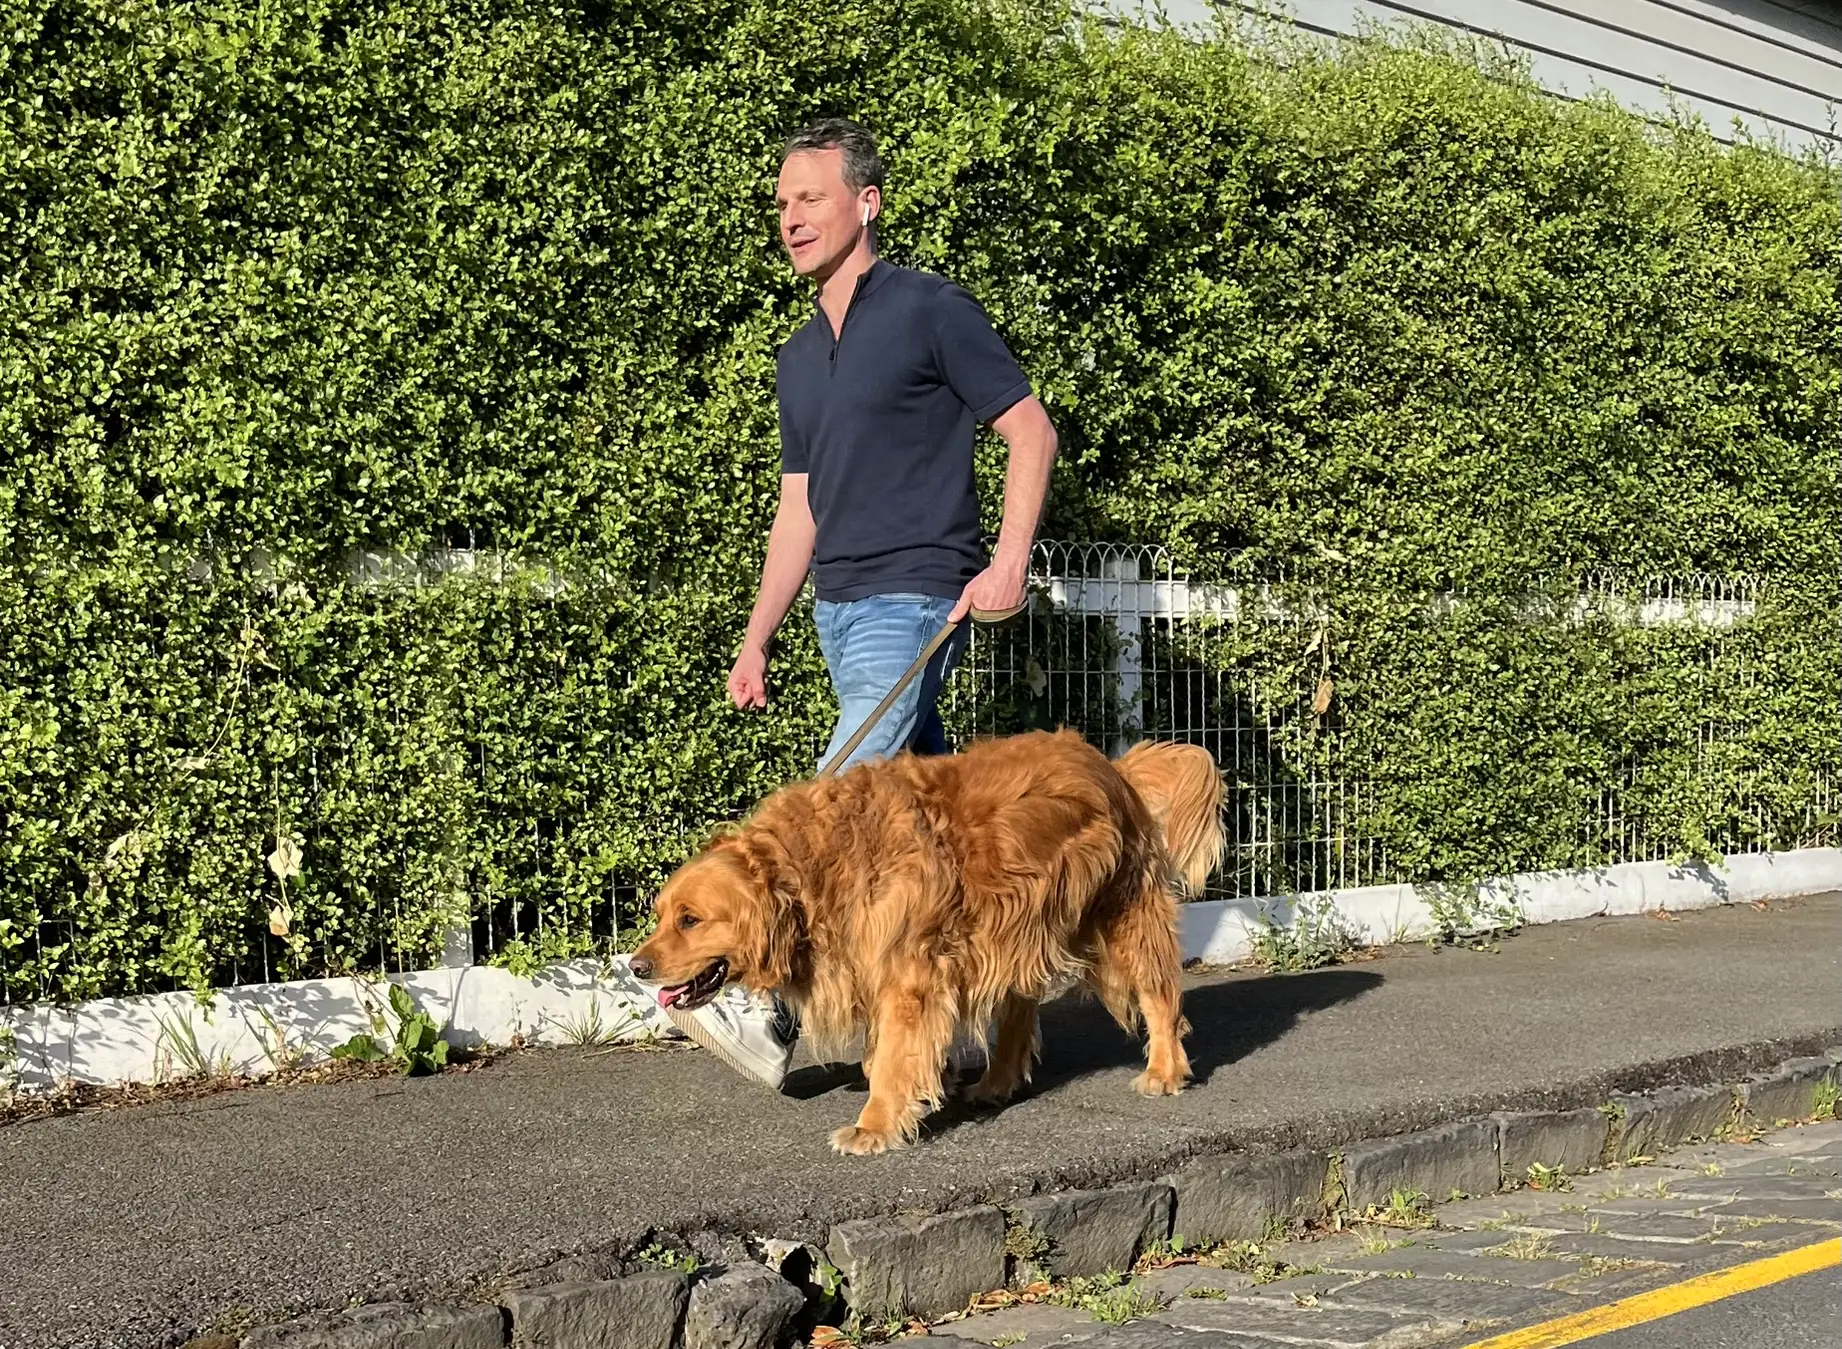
(282, 282)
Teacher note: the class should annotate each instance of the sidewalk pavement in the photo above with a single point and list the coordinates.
(145, 1226)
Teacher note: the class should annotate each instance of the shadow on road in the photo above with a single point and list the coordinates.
(1228, 1020)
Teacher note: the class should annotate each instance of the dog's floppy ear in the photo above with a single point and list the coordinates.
(768, 923)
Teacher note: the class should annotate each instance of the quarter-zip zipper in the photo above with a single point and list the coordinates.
(843, 323)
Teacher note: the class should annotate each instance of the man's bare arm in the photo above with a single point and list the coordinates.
(783, 572)
(1028, 432)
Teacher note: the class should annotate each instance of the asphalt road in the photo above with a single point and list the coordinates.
(140, 1227)
(1797, 1314)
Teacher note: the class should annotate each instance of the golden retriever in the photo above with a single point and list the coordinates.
(912, 897)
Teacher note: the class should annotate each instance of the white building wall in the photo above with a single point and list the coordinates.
(1772, 66)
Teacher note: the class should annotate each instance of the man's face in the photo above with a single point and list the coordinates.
(821, 219)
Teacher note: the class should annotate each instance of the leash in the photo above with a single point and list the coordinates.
(985, 616)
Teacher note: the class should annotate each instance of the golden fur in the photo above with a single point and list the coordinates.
(911, 897)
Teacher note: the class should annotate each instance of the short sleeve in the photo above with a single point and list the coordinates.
(972, 357)
(793, 454)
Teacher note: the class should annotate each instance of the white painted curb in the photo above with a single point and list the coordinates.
(1221, 932)
(251, 1029)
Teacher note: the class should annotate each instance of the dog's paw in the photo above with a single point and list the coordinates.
(1149, 1083)
(852, 1141)
(986, 1092)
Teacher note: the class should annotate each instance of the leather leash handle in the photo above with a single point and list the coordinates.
(927, 654)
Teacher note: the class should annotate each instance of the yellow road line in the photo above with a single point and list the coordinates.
(1678, 1297)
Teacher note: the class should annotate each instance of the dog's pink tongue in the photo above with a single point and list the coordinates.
(668, 996)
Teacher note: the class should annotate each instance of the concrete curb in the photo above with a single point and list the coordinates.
(919, 1266)
(254, 1029)
(251, 1030)
(907, 1266)
(1221, 932)
(1447, 1161)
(1079, 1233)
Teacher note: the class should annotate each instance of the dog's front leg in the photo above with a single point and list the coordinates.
(911, 1032)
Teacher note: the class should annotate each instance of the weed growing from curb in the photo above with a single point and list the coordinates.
(1614, 1114)
(1465, 916)
(1549, 1179)
(9, 1065)
(1405, 1208)
(1252, 1259)
(857, 1333)
(416, 1045)
(1336, 1193)
(1024, 1243)
(1105, 1297)
(179, 1038)
(591, 1029)
(683, 1262)
(1318, 936)
(276, 1048)
(1161, 1253)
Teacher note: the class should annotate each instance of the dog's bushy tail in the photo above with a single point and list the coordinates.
(1182, 788)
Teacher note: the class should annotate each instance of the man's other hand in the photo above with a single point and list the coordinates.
(748, 679)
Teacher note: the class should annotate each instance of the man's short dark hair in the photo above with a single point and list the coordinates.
(863, 167)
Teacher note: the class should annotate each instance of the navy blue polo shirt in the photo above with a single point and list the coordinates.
(881, 421)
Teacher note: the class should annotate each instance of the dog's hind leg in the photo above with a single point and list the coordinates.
(1139, 974)
(913, 1029)
(1011, 1056)
(1167, 1067)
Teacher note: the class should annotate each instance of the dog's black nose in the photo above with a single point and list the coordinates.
(641, 967)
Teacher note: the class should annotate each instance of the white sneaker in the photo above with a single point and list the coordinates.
(755, 1036)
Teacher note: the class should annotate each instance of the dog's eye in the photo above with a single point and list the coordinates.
(687, 921)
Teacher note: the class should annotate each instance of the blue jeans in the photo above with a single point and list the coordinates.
(869, 644)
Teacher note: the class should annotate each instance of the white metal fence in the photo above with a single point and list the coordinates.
(1110, 650)
(1122, 662)
(1120, 643)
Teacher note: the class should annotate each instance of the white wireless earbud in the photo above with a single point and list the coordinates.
(866, 215)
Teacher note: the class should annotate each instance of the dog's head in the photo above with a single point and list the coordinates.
(717, 920)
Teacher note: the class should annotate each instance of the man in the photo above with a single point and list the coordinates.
(880, 395)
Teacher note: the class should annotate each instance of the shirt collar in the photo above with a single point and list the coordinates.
(868, 281)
